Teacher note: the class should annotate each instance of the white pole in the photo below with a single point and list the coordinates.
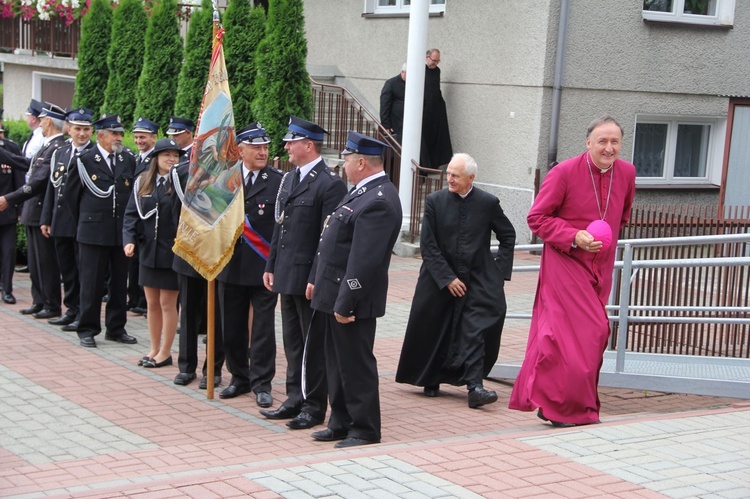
(414, 100)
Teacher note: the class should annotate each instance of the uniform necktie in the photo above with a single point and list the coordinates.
(295, 180)
(111, 161)
(160, 186)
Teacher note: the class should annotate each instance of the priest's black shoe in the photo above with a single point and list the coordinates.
(233, 391)
(281, 413)
(329, 435)
(204, 382)
(88, 342)
(184, 379)
(263, 399)
(72, 327)
(62, 321)
(46, 314)
(36, 307)
(9, 298)
(432, 391)
(303, 421)
(478, 397)
(122, 338)
(354, 442)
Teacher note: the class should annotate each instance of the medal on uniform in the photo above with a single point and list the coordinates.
(57, 174)
(127, 183)
(62, 168)
(93, 177)
(260, 209)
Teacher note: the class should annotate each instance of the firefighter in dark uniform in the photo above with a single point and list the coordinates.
(241, 281)
(97, 192)
(349, 288)
(307, 196)
(144, 134)
(43, 268)
(193, 295)
(11, 178)
(57, 221)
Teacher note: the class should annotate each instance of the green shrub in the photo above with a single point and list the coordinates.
(194, 73)
(245, 29)
(125, 59)
(17, 130)
(282, 85)
(161, 64)
(91, 80)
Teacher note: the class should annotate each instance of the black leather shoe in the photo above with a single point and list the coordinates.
(37, 307)
(123, 338)
(280, 413)
(263, 399)
(329, 435)
(138, 310)
(88, 342)
(46, 314)
(62, 321)
(432, 391)
(72, 327)
(184, 379)
(233, 391)
(9, 298)
(478, 397)
(151, 363)
(354, 442)
(303, 421)
(203, 385)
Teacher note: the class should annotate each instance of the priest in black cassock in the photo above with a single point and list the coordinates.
(458, 311)
(436, 147)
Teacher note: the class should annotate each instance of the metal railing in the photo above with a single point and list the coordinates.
(53, 37)
(424, 182)
(700, 374)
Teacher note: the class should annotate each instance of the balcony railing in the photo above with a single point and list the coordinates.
(51, 37)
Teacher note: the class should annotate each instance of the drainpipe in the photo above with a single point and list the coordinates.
(554, 128)
(554, 125)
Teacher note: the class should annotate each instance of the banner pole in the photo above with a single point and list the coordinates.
(211, 287)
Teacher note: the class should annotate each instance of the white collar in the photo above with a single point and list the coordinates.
(305, 169)
(364, 181)
(47, 140)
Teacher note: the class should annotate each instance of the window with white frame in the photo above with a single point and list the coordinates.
(678, 150)
(703, 12)
(399, 6)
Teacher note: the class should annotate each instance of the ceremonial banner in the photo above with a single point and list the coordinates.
(212, 215)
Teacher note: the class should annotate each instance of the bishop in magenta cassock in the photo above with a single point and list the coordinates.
(569, 325)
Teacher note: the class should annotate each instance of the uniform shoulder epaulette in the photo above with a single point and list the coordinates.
(276, 170)
(331, 171)
(4, 140)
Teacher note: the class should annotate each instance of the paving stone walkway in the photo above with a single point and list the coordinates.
(76, 422)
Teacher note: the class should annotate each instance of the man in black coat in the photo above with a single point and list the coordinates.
(97, 193)
(307, 196)
(457, 316)
(241, 282)
(392, 104)
(193, 296)
(43, 268)
(436, 147)
(57, 221)
(348, 289)
(11, 178)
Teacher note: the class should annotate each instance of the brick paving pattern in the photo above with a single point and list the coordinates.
(76, 422)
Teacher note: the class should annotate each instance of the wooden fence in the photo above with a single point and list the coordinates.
(697, 287)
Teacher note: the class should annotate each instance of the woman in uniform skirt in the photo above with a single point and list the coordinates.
(149, 224)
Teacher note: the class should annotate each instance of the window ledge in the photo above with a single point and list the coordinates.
(673, 21)
(396, 15)
(677, 186)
